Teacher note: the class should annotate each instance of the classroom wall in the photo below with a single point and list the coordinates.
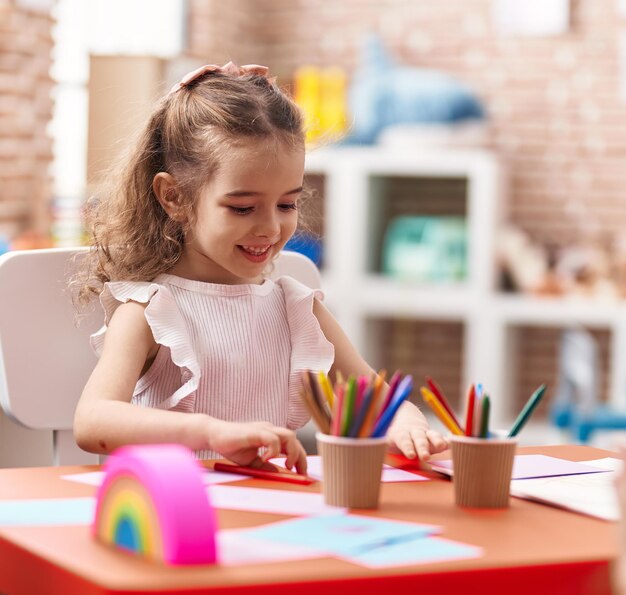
(554, 102)
(25, 111)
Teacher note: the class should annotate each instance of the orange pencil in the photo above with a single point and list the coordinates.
(440, 411)
(370, 417)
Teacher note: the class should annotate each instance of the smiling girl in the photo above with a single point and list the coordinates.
(199, 347)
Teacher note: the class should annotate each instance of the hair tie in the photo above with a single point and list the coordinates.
(230, 68)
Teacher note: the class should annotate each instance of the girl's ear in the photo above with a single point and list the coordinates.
(167, 192)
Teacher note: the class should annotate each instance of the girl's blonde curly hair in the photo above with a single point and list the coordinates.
(189, 132)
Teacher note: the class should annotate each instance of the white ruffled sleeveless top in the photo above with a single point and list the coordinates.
(231, 351)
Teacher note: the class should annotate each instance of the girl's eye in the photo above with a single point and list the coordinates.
(288, 206)
(241, 210)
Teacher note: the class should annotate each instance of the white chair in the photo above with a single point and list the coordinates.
(45, 358)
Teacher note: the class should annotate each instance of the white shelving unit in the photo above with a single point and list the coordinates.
(356, 293)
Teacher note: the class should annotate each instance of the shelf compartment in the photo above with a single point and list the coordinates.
(535, 361)
(421, 348)
(394, 196)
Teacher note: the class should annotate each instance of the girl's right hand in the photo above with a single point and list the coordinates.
(240, 442)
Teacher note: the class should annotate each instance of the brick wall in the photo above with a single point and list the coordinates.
(25, 111)
(221, 31)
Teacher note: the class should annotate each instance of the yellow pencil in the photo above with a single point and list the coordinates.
(439, 410)
(327, 388)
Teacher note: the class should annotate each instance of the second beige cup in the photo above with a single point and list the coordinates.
(352, 469)
(482, 470)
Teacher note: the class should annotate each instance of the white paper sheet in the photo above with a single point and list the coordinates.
(95, 478)
(236, 547)
(270, 501)
(593, 494)
(390, 474)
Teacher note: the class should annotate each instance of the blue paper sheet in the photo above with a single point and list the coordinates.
(417, 551)
(47, 512)
(341, 534)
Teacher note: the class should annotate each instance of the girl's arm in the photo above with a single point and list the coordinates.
(409, 433)
(105, 418)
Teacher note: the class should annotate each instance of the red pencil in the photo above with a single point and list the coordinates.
(287, 476)
(442, 399)
(469, 420)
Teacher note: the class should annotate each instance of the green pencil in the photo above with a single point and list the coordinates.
(484, 419)
(526, 412)
(348, 406)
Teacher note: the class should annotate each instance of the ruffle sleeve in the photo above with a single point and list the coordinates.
(168, 328)
(310, 349)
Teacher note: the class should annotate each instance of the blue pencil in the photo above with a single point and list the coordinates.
(402, 392)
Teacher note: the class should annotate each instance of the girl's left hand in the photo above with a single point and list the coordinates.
(411, 435)
(415, 441)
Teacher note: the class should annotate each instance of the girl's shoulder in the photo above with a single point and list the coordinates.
(294, 289)
(146, 293)
(146, 303)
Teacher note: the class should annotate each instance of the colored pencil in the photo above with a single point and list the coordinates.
(347, 417)
(478, 409)
(469, 426)
(327, 389)
(318, 394)
(314, 407)
(527, 411)
(442, 399)
(484, 420)
(372, 410)
(403, 391)
(393, 385)
(361, 386)
(439, 410)
(348, 406)
(286, 476)
(361, 412)
(335, 425)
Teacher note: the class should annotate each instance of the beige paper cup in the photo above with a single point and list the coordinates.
(352, 469)
(482, 470)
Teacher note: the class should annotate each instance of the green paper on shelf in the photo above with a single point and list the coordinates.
(426, 249)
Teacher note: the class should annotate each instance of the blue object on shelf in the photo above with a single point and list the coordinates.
(426, 249)
(384, 94)
(576, 407)
(307, 244)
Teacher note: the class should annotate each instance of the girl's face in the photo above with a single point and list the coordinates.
(245, 214)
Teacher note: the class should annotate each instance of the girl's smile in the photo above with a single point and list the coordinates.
(256, 253)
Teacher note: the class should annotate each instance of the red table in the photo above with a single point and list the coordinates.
(529, 548)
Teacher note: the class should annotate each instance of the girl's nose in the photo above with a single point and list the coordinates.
(267, 227)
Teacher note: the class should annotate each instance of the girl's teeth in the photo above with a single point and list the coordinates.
(256, 251)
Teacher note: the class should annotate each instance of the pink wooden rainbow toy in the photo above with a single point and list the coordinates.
(153, 503)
